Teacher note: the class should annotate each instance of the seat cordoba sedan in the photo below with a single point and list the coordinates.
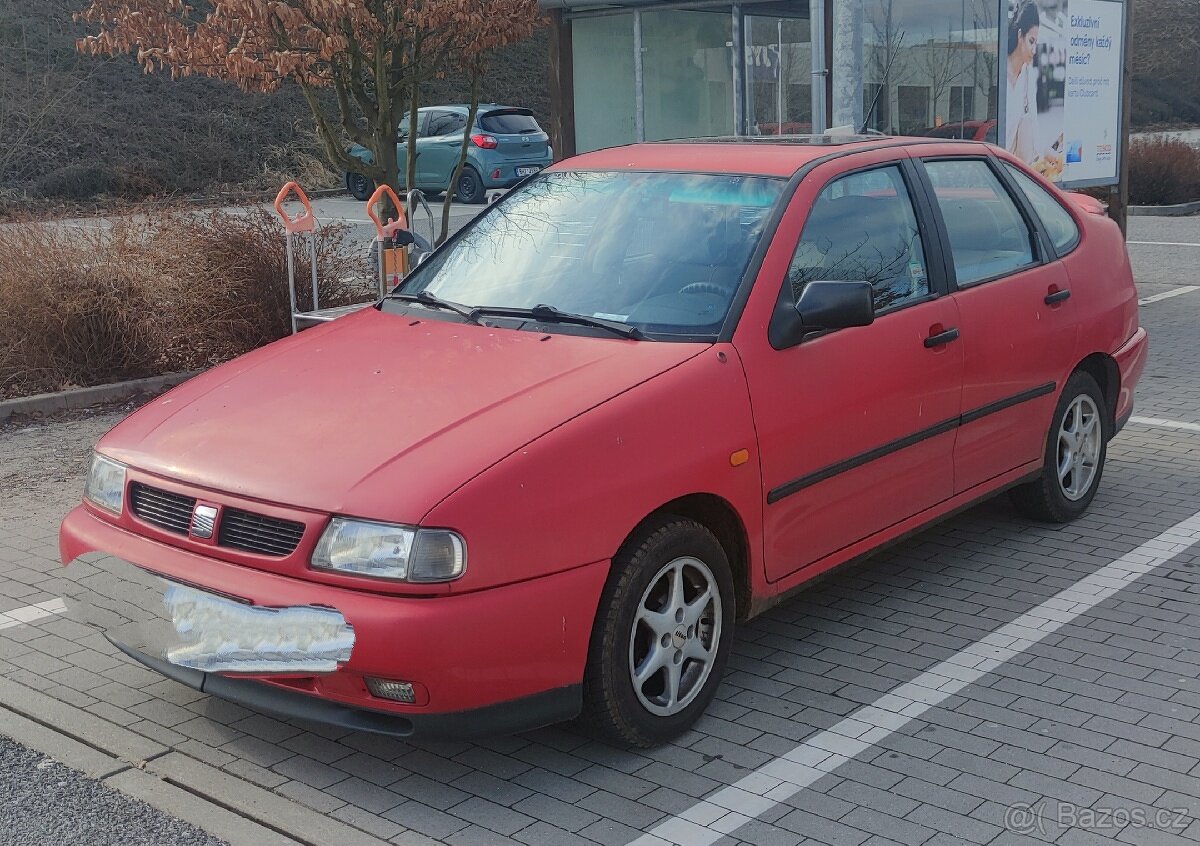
(644, 397)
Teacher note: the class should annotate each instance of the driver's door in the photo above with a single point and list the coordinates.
(402, 140)
(856, 426)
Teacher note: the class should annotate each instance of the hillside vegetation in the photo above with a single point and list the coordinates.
(74, 127)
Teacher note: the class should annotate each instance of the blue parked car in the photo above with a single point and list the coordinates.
(506, 146)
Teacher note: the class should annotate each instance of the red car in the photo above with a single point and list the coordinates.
(644, 397)
(968, 130)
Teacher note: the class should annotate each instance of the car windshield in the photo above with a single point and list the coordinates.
(663, 253)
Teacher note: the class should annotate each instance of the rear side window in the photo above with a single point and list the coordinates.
(508, 123)
(862, 228)
(445, 123)
(1059, 224)
(988, 235)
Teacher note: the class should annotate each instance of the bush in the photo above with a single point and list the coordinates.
(156, 292)
(1163, 172)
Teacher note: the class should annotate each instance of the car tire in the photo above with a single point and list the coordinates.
(359, 186)
(470, 187)
(668, 603)
(1076, 448)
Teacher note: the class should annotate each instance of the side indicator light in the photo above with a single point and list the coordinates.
(739, 458)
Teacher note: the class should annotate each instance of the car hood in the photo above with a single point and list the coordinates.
(378, 415)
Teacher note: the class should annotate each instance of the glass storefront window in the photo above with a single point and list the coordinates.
(936, 63)
(778, 75)
(687, 74)
(603, 71)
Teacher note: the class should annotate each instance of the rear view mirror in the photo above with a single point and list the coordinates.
(821, 306)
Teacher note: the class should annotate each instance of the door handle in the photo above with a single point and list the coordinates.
(1055, 297)
(943, 337)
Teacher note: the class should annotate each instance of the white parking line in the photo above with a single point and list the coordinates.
(30, 613)
(1166, 424)
(1163, 243)
(729, 808)
(1166, 295)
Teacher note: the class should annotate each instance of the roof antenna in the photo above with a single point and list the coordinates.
(887, 72)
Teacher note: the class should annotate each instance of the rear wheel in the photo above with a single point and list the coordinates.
(359, 186)
(470, 187)
(1076, 448)
(662, 634)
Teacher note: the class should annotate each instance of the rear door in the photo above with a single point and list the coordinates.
(856, 426)
(518, 136)
(438, 149)
(1017, 323)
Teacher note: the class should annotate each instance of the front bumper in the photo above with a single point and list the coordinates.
(517, 652)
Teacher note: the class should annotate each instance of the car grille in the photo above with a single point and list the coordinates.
(257, 533)
(169, 511)
(239, 529)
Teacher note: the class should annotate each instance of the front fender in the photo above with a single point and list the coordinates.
(574, 494)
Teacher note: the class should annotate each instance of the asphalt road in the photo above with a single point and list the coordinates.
(43, 803)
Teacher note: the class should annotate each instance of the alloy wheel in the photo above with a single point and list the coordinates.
(676, 632)
(1079, 441)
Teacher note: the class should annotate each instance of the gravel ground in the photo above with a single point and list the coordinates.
(43, 803)
(44, 457)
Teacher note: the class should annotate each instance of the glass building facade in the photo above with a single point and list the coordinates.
(630, 70)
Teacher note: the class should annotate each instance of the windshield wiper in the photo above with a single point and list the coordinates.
(426, 298)
(549, 314)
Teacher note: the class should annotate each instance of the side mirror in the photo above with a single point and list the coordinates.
(822, 306)
(836, 305)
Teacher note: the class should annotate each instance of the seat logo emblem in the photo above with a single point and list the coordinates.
(204, 518)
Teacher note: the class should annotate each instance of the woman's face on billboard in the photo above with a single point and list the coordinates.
(1027, 44)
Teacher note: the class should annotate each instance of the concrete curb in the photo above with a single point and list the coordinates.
(84, 397)
(1178, 210)
(259, 197)
(241, 813)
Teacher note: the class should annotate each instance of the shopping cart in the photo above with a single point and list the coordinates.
(397, 246)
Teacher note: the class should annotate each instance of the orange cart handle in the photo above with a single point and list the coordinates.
(383, 231)
(303, 222)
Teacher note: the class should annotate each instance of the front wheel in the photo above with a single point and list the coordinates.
(662, 634)
(359, 186)
(1076, 448)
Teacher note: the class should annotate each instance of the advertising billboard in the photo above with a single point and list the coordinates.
(1060, 87)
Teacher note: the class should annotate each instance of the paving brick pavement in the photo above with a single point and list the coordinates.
(1093, 733)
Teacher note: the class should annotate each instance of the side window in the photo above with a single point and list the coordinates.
(445, 123)
(1059, 224)
(862, 228)
(988, 235)
(402, 129)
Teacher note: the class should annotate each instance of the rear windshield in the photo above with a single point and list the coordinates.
(508, 123)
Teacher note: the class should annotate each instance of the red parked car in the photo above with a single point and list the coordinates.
(968, 130)
(644, 397)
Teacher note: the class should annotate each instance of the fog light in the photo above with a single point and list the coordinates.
(397, 691)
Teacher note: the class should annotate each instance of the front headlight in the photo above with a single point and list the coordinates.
(387, 551)
(105, 486)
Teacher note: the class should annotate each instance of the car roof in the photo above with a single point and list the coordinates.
(772, 155)
(465, 107)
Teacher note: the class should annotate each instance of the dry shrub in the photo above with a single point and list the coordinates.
(158, 291)
(1163, 172)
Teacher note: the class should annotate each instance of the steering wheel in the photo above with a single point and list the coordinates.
(706, 288)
